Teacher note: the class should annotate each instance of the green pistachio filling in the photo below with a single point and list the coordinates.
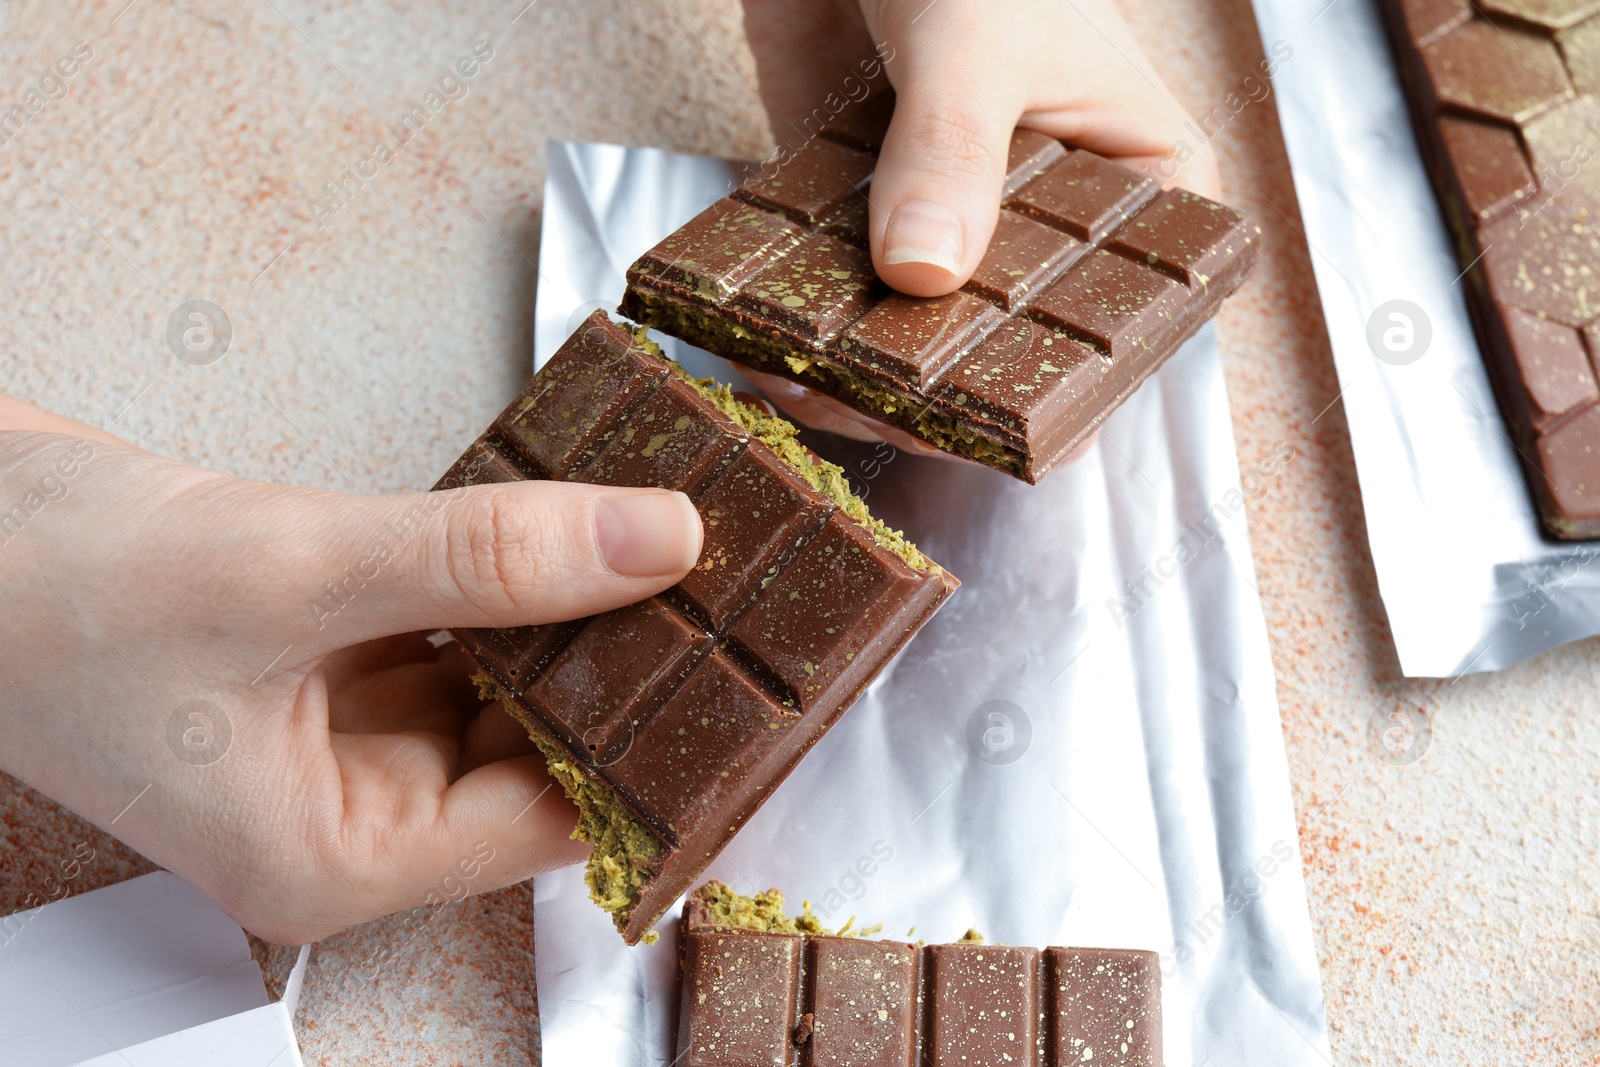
(783, 438)
(763, 913)
(624, 852)
(719, 334)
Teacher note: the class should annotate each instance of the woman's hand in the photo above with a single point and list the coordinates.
(965, 75)
(229, 676)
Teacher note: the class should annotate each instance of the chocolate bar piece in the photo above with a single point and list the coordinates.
(669, 722)
(1505, 98)
(771, 993)
(1094, 276)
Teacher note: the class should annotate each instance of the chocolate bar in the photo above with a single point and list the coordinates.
(669, 722)
(1094, 276)
(758, 989)
(1505, 99)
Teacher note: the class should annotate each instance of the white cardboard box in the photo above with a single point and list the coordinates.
(146, 972)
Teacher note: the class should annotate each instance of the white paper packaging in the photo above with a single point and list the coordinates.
(144, 973)
(1057, 759)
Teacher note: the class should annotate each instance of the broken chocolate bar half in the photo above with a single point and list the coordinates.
(1505, 99)
(669, 722)
(1094, 276)
(757, 988)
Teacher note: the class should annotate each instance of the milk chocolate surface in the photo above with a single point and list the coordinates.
(1504, 100)
(673, 720)
(1094, 276)
(807, 1000)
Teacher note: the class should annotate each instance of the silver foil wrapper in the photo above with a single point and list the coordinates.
(1082, 748)
(1467, 579)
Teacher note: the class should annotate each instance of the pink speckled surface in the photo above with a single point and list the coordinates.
(1454, 899)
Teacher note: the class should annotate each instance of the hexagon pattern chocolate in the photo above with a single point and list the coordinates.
(1504, 98)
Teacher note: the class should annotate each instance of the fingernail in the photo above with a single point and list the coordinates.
(643, 535)
(920, 231)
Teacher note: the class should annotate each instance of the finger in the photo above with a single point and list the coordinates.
(491, 736)
(504, 555)
(357, 661)
(512, 807)
(410, 698)
(20, 415)
(936, 191)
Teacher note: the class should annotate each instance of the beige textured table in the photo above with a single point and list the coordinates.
(1454, 899)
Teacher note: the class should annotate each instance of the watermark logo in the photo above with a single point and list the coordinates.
(1399, 332)
(52, 486)
(450, 87)
(851, 885)
(999, 733)
(199, 733)
(1206, 126)
(199, 332)
(604, 748)
(51, 87)
(581, 313)
(1399, 737)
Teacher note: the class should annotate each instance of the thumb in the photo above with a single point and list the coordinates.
(513, 554)
(936, 192)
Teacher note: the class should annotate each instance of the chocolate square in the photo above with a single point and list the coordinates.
(1084, 195)
(1107, 1006)
(983, 1005)
(809, 624)
(1112, 303)
(624, 663)
(726, 1026)
(756, 518)
(481, 464)
(914, 340)
(811, 182)
(1501, 72)
(567, 418)
(1029, 155)
(719, 249)
(674, 440)
(1491, 170)
(1024, 256)
(1187, 236)
(1021, 372)
(815, 291)
(864, 998)
(689, 761)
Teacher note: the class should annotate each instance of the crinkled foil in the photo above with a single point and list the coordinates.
(1082, 748)
(1467, 579)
